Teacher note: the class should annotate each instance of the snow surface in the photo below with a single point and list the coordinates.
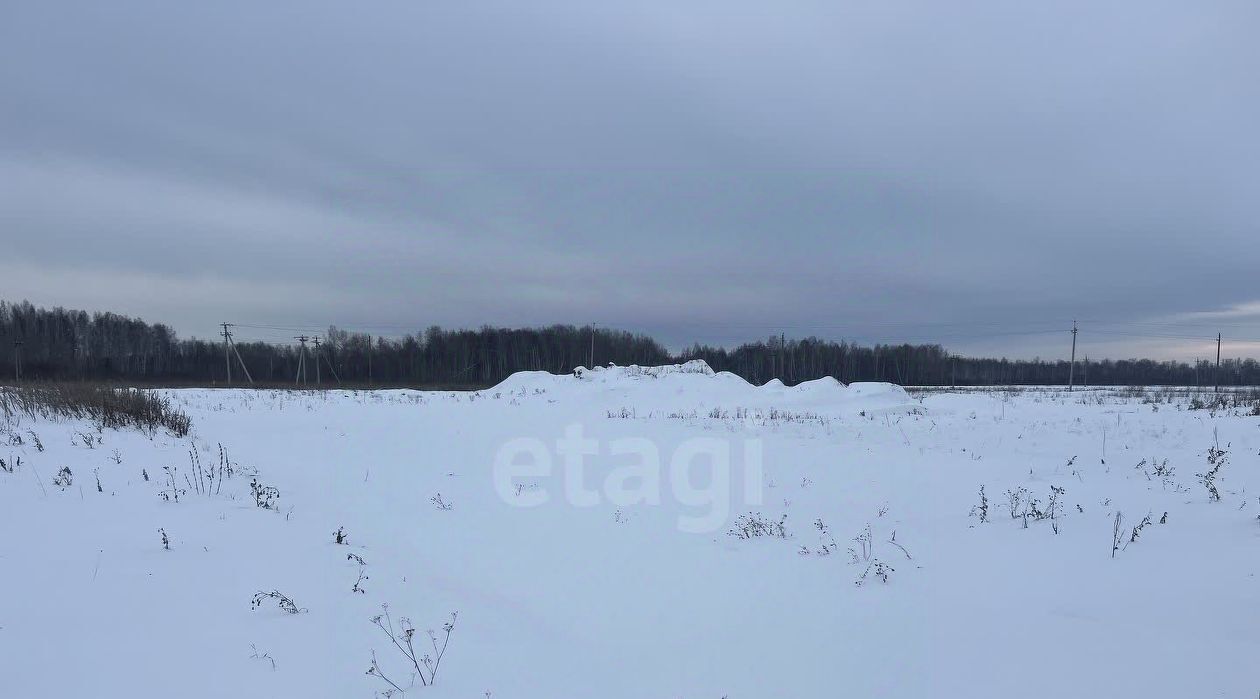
(608, 600)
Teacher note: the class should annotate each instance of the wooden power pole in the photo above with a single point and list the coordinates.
(229, 350)
(1072, 366)
(1218, 364)
(232, 343)
(301, 367)
(17, 361)
(317, 375)
(227, 358)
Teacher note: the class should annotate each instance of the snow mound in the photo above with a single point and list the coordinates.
(694, 386)
(614, 373)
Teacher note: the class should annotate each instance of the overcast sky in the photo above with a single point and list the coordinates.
(971, 172)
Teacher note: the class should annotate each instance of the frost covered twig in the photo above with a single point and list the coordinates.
(1137, 531)
(753, 525)
(1216, 459)
(283, 601)
(403, 638)
(1116, 536)
(262, 656)
(981, 510)
(375, 670)
(893, 541)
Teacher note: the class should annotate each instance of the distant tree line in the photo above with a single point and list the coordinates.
(793, 361)
(60, 344)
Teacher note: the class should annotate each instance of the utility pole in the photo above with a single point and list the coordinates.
(230, 345)
(227, 358)
(1072, 367)
(317, 376)
(17, 361)
(237, 352)
(369, 352)
(1218, 364)
(592, 359)
(301, 367)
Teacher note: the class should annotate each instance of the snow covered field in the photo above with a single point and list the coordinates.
(638, 533)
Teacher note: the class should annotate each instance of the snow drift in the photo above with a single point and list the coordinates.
(694, 385)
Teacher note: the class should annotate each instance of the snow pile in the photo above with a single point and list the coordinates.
(695, 366)
(695, 386)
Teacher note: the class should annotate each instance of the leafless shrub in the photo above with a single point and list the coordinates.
(1137, 531)
(866, 541)
(981, 510)
(1015, 499)
(172, 491)
(1216, 459)
(403, 638)
(86, 439)
(829, 544)
(265, 496)
(754, 525)
(1054, 508)
(107, 406)
(877, 567)
(1163, 470)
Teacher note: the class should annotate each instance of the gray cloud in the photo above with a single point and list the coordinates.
(702, 171)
